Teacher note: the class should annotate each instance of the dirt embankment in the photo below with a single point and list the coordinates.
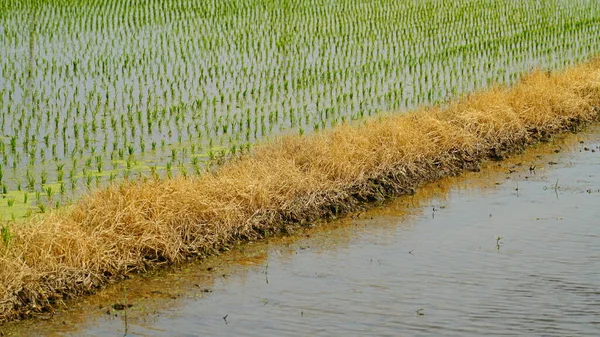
(291, 181)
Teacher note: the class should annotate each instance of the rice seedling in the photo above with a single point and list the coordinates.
(5, 234)
(49, 192)
(78, 85)
(134, 226)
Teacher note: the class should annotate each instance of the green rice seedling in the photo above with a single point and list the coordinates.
(169, 170)
(6, 234)
(30, 181)
(13, 144)
(44, 177)
(49, 192)
(88, 180)
(301, 71)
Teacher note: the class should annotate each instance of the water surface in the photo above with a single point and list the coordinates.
(512, 250)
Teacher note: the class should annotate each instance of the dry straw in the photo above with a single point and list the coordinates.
(291, 181)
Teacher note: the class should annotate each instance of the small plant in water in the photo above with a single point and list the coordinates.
(5, 234)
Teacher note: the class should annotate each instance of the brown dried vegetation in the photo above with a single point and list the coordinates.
(291, 181)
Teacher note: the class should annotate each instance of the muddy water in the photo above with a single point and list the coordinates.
(512, 250)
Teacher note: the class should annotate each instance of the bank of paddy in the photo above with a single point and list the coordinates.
(425, 264)
(293, 181)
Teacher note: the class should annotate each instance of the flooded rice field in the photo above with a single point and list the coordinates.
(98, 92)
(511, 250)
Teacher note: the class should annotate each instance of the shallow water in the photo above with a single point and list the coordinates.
(94, 93)
(512, 250)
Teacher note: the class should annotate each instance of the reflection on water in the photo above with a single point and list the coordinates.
(511, 250)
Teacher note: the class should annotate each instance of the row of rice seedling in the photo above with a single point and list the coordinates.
(93, 92)
(284, 184)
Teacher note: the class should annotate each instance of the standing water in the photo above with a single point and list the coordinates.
(511, 250)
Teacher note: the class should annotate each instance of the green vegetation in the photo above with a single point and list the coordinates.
(93, 92)
(292, 181)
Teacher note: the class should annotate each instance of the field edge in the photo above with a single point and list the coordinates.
(291, 181)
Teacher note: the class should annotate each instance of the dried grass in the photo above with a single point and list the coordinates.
(290, 181)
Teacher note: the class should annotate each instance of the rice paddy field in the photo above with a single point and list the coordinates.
(99, 92)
